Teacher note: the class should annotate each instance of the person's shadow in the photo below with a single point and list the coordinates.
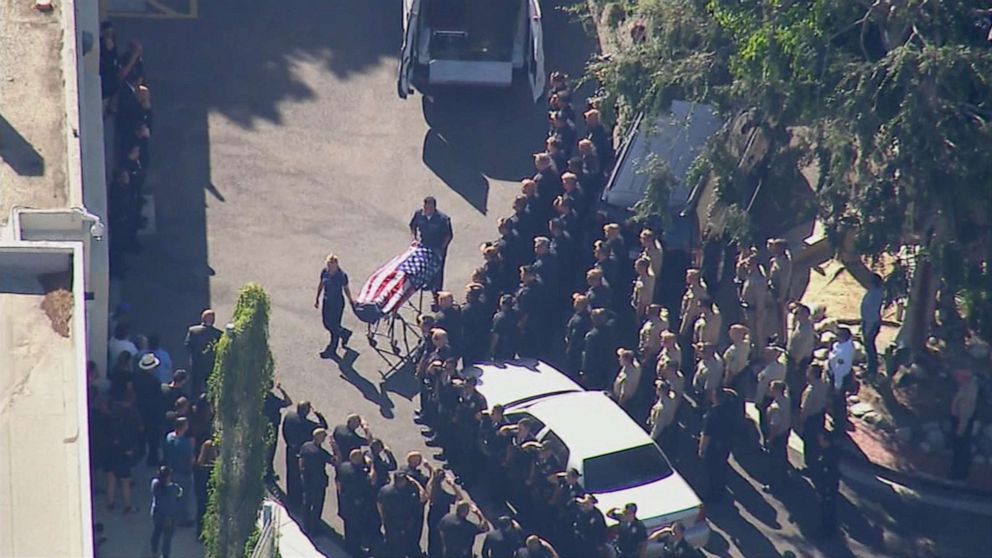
(369, 390)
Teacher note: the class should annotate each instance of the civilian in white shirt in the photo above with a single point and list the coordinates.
(120, 342)
(839, 365)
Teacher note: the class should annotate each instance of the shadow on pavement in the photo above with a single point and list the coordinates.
(368, 389)
(18, 152)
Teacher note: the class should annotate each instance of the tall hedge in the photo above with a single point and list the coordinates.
(242, 375)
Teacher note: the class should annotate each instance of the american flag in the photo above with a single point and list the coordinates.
(394, 283)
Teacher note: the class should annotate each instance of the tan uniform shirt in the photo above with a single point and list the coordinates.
(654, 253)
(780, 277)
(650, 336)
(802, 340)
(643, 293)
(815, 397)
(627, 382)
(678, 385)
(965, 400)
(774, 371)
(736, 358)
(709, 374)
(663, 414)
(779, 417)
(673, 354)
(708, 328)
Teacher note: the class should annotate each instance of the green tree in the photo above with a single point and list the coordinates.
(241, 377)
(897, 95)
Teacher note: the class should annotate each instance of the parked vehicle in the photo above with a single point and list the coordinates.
(466, 42)
(588, 431)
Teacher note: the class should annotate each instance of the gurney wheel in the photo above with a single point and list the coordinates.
(372, 342)
(396, 349)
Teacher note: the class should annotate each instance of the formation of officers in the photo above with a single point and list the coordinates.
(561, 271)
(385, 504)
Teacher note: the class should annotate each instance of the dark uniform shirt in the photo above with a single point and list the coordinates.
(475, 329)
(314, 460)
(433, 231)
(297, 430)
(272, 407)
(502, 544)
(506, 325)
(546, 267)
(382, 463)
(598, 360)
(589, 528)
(347, 439)
(356, 488)
(719, 424)
(458, 535)
(398, 504)
(630, 536)
(333, 285)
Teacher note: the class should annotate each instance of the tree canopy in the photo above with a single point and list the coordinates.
(896, 92)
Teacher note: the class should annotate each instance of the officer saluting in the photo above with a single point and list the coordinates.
(433, 229)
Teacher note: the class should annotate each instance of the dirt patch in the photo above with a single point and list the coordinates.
(58, 302)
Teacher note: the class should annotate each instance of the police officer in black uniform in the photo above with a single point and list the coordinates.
(719, 425)
(433, 229)
(314, 460)
(827, 482)
(297, 429)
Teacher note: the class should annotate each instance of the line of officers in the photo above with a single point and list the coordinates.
(489, 450)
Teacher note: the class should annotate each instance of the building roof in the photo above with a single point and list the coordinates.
(589, 423)
(32, 108)
(44, 472)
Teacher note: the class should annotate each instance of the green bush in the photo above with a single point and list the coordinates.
(614, 14)
(241, 377)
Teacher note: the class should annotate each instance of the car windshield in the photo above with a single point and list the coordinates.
(625, 469)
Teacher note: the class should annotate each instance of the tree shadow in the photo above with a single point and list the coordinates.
(18, 152)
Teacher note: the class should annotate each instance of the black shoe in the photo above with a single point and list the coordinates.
(345, 336)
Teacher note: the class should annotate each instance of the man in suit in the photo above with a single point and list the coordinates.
(201, 342)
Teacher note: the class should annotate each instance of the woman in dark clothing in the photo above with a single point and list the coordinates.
(125, 435)
(331, 292)
(201, 421)
(109, 62)
(121, 376)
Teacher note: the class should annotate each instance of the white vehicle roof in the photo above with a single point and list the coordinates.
(589, 423)
(517, 381)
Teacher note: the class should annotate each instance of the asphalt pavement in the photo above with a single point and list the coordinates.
(279, 138)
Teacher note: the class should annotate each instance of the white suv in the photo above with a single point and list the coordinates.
(587, 431)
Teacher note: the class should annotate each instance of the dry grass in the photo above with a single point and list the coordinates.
(58, 302)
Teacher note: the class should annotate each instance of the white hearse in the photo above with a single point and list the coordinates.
(471, 42)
